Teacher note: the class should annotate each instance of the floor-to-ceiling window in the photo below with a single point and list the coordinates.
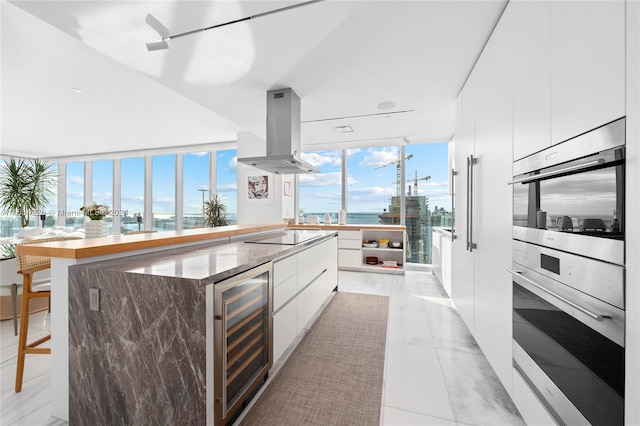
(195, 188)
(132, 193)
(373, 191)
(164, 192)
(75, 194)
(227, 182)
(427, 202)
(321, 193)
(102, 187)
(50, 209)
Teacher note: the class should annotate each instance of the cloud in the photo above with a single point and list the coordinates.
(105, 197)
(78, 180)
(320, 179)
(233, 163)
(378, 157)
(199, 154)
(228, 187)
(319, 159)
(353, 151)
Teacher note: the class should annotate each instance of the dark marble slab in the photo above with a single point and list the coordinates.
(141, 358)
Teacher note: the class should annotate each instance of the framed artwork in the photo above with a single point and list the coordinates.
(258, 187)
(287, 188)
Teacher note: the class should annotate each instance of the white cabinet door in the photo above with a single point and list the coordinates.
(462, 266)
(531, 43)
(587, 66)
(332, 264)
(285, 329)
(349, 258)
(492, 196)
(445, 254)
(309, 300)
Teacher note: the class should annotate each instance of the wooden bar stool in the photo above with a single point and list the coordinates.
(27, 266)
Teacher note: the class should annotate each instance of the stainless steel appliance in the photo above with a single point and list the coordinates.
(568, 333)
(243, 351)
(579, 185)
(568, 276)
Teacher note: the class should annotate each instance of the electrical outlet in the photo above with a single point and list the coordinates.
(94, 299)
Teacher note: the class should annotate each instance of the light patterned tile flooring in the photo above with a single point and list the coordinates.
(433, 367)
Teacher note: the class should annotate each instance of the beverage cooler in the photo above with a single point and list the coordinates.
(243, 339)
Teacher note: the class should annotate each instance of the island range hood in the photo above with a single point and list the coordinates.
(283, 136)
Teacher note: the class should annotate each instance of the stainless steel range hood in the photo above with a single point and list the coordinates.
(283, 136)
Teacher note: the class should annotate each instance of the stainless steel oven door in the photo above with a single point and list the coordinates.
(571, 196)
(569, 347)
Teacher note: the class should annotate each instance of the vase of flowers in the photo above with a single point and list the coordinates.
(95, 227)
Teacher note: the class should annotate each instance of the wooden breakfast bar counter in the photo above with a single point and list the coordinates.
(75, 252)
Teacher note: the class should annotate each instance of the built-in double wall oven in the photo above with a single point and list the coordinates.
(568, 276)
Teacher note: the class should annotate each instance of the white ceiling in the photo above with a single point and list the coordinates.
(342, 58)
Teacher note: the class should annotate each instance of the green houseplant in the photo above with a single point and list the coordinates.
(215, 212)
(25, 187)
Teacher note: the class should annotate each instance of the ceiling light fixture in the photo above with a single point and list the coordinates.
(344, 129)
(75, 89)
(386, 105)
(164, 32)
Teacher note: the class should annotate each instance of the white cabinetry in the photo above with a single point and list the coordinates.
(531, 77)
(441, 264)
(587, 66)
(462, 266)
(352, 255)
(349, 244)
(301, 284)
(481, 253)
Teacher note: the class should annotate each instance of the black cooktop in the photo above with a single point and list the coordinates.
(289, 237)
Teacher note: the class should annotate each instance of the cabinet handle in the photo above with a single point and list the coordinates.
(452, 193)
(573, 168)
(470, 162)
(557, 296)
(223, 379)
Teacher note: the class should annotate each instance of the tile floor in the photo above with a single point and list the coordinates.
(435, 374)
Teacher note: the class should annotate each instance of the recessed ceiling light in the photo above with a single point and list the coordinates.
(344, 129)
(386, 105)
(75, 89)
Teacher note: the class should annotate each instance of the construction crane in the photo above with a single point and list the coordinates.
(415, 183)
(397, 163)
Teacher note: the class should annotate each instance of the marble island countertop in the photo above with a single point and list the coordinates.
(348, 227)
(210, 263)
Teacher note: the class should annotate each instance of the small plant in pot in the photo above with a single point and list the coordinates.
(215, 212)
(25, 187)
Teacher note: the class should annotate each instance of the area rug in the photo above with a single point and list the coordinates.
(335, 374)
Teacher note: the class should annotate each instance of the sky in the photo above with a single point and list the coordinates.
(372, 177)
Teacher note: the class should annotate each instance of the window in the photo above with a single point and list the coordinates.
(195, 188)
(131, 193)
(102, 187)
(51, 208)
(373, 191)
(227, 182)
(320, 193)
(427, 202)
(75, 194)
(164, 192)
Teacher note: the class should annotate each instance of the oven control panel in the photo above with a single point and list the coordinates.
(602, 280)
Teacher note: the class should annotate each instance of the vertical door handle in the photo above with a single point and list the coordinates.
(452, 193)
(471, 160)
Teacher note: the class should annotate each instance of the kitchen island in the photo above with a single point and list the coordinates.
(202, 256)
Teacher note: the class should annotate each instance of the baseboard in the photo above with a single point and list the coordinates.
(6, 310)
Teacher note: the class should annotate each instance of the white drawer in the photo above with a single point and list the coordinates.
(349, 258)
(350, 244)
(284, 269)
(284, 292)
(311, 263)
(285, 330)
(349, 235)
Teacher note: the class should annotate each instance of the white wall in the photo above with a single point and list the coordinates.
(272, 209)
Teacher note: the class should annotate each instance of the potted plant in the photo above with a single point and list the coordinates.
(215, 212)
(25, 187)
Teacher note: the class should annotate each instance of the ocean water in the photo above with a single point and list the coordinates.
(352, 218)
